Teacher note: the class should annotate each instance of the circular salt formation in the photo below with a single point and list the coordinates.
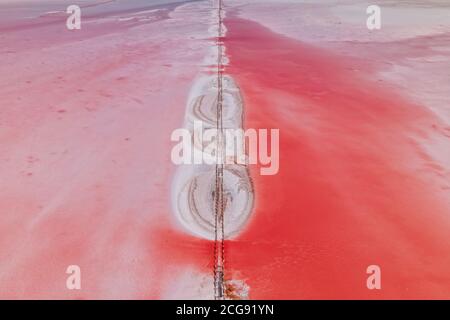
(204, 108)
(195, 203)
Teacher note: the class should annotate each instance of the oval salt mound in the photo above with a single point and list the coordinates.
(195, 203)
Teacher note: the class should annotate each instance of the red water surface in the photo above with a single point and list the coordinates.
(352, 189)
